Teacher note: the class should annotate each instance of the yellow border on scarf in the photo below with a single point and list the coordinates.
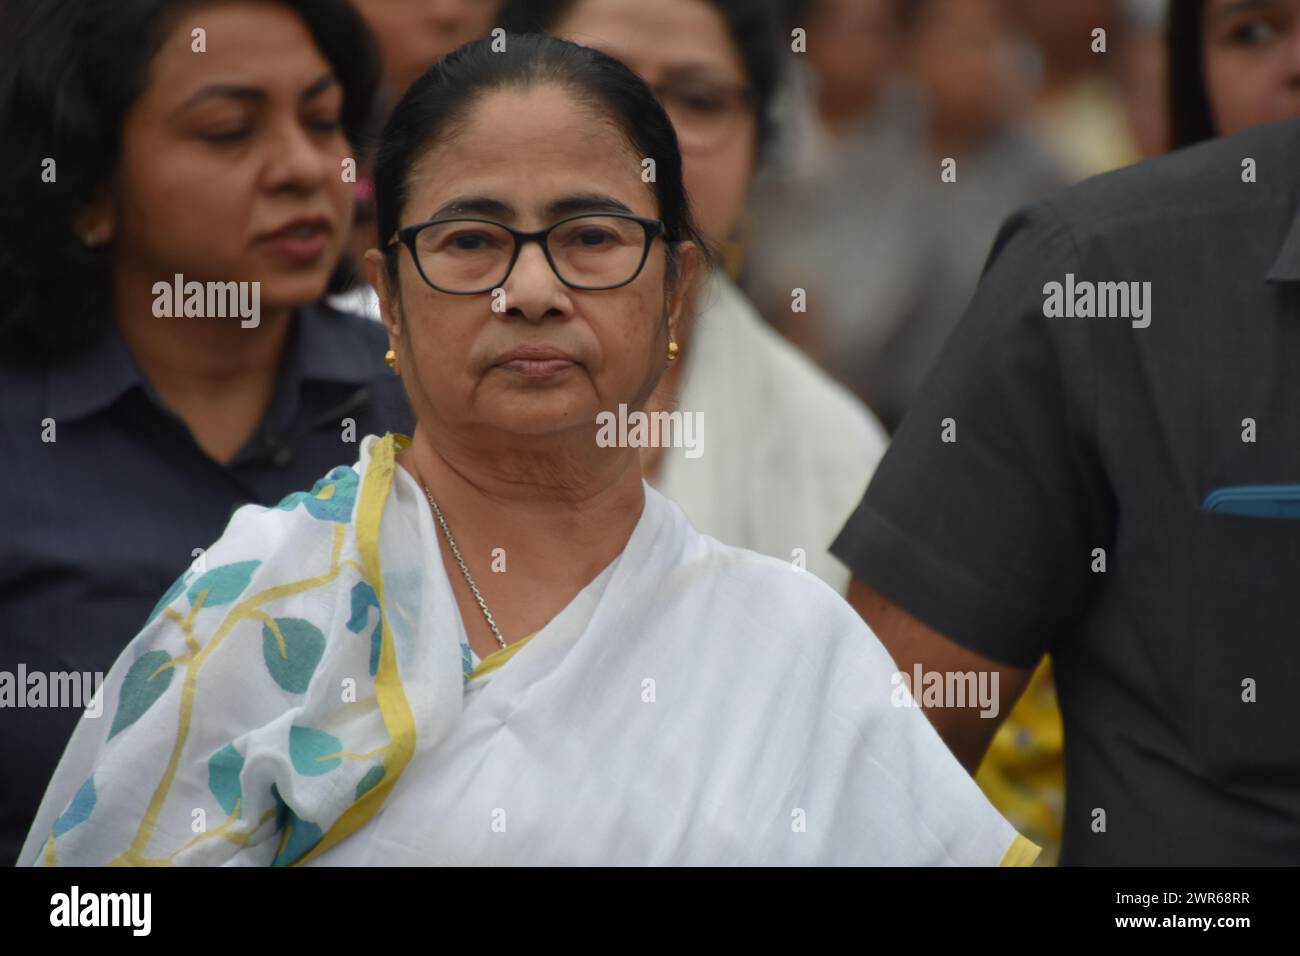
(497, 658)
(396, 710)
(1022, 852)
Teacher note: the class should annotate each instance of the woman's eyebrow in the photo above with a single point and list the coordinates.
(565, 205)
(475, 206)
(584, 202)
(241, 91)
(1226, 10)
(325, 82)
(691, 72)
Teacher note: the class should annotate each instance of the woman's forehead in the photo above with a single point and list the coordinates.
(259, 47)
(523, 202)
(531, 154)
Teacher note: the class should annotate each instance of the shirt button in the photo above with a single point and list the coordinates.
(282, 457)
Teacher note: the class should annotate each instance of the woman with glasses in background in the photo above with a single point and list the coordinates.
(632, 692)
(787, 451)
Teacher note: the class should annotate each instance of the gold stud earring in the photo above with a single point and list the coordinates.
(672, 350)
(391, 358)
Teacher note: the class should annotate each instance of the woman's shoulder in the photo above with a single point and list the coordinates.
(754, 585)
(260, 542)
(263, 629)
(783, 620)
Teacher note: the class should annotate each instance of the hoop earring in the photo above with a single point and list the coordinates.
(672, 350)
(391, 358)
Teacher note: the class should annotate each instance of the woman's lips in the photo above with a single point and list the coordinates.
(537, 368)
(301, 243)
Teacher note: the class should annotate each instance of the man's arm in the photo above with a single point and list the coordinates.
(911, 642)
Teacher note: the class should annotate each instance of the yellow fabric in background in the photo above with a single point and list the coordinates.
(1023, 773)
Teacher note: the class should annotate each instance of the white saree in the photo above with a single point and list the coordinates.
(694, 704)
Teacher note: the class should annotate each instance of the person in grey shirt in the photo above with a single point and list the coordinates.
(1103, 465)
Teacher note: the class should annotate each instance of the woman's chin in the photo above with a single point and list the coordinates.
(546, 421)
(280, 292)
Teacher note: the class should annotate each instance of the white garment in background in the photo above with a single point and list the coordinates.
(788, 451)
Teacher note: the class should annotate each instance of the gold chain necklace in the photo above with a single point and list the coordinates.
(478, 595)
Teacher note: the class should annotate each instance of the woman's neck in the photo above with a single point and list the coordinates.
(217, 375)
(532, 528)
(544, 500)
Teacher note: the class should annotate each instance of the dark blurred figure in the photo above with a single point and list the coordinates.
(1143, 74)
(960, 56)
(846, 125)
(413, 33)
(852, 53)
(129, 435)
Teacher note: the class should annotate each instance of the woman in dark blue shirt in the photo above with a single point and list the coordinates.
(177, 189)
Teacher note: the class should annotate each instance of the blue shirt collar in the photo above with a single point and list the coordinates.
(324, 346)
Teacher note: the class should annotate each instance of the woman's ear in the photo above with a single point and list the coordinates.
(95, 223)
(389, 302)
(689, 271)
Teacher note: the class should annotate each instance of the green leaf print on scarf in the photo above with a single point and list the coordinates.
(144, 683)
(363, 599)
(297, 836)
(78, 810)
(331, 499)
(367, 783)
(223, 584)
(293, 660)
(313, 751)
(224, 769)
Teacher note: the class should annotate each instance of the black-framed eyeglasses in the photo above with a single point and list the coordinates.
(469, 256)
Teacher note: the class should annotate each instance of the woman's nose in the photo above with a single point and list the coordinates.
(532, 289)
(297, 160)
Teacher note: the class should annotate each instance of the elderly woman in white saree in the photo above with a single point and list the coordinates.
(494, 643)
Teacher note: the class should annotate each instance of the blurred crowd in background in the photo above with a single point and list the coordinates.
(853, 193)
(856, 210)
